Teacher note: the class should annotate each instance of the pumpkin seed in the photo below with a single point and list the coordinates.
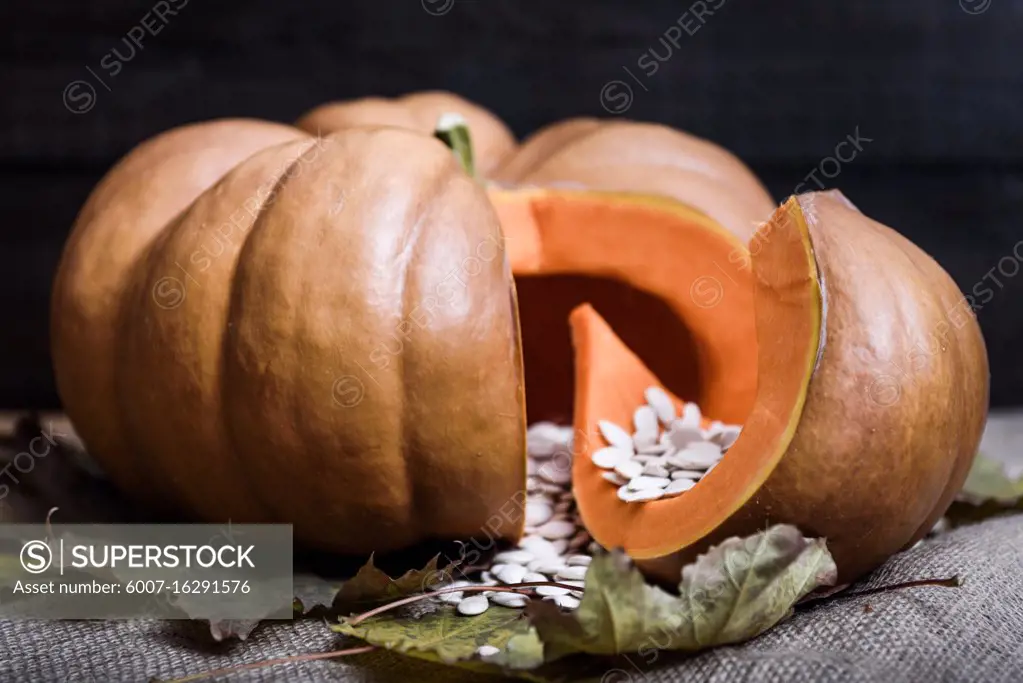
(655, 469)
(557, 529)
(691, 415)
(629, 469)
(538, 546)
(511, 573)
(578, 560)
(678, 486)
(473, 605)
(555, 472)
(507, 599)
(575, 573)
(615, 435)
(548, 566)
(641, 482)
(681, 435)
(661, 403)
(566, 601)
(644, 419)
(550, 590)
(609, 456)
(538, 512)
(450, 598)
(695, 475)
(630, 496)
(490, 650)
(656, 448)
(614, 478)
(514, 557)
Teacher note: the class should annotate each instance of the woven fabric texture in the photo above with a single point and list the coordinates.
(970, 633)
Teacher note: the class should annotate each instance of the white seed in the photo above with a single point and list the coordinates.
(681, 435)
(697, 456)
(629, 468)
(641, 440)
(654, 469)
(487, 650)
(691, 415)
(641, 483)
(513, 557)
(538, 546)
(614, 478)
(562, 506)
(645, 420)
(728, 436)
(548, 488)
(615, 435)
(566, 601)
(533, 577)
(473, 605)
(508, 599)
(511, 573)
(538, 512)
(549, 566)
(560, 546)
(656, 448)
(678, 486)
(638, 496)
(610, 456)
(550, 590)
(451, 598)
(556, 472)
(578, 560)
(695, 475)
(661, 403)
(531, 467)
(496, 567)
(576, 573)
(557, 528)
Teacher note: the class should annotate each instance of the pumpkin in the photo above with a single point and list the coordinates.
(290, 379)
(249, 323)
(849, 355)
(492, 141)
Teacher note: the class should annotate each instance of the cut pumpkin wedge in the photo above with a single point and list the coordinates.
(819, 448)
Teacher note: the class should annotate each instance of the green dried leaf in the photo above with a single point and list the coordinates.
(372, 586)
(734, 592)
(987, 481)
(444, 635)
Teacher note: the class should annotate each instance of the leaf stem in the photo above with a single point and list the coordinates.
(949, 582)
(356, 620)
(273, 662)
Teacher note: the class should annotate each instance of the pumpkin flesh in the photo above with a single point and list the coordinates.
(707, 357)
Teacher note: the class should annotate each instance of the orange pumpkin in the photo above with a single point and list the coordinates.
(252, 324)
(290, 382)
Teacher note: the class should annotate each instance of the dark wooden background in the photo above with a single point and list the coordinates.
(937, 85)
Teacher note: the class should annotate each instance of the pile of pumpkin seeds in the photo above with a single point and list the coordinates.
(666, 454)
(555, 547)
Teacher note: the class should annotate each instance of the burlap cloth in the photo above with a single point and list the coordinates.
(971, 633)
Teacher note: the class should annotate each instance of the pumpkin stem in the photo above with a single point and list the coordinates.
(453, 131)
